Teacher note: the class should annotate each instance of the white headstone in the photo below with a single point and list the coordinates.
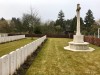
(4, 65)
(12, 58)
(17, 58)
(0, 66)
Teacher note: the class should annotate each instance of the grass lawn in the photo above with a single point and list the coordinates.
(11, 46)
(54, 60)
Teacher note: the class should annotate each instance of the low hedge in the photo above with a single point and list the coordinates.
(48, 35)
(92, 40)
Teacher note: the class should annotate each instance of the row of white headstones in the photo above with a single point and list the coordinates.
(9, 63)
(11, 38)
(3, 34)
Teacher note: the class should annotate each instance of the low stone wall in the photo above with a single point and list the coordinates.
(9, 63)
(11, 38)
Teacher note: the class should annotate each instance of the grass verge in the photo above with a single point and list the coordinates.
(6, 48)
(54, 60)
(23, 68)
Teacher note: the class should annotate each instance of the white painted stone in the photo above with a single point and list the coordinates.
(9, 63)
(0, 66)
(11, 38)
(4, 65)
(78, 39)
(25, 52)
(79, 46)
(78, 43)
(34, 48)
(12, 64)
(22, 55)
(90, 49)
(36, 45)
(18, 58)
(15, 61)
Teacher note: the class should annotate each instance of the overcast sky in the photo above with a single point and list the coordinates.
(48, 9)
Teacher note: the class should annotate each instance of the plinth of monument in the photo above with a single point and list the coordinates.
(78, 46)
(78, 43)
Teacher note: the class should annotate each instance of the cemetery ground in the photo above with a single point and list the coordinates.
(54, 60)
(6, 48)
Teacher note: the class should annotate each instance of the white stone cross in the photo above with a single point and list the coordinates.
(78, 19)
(78, 43)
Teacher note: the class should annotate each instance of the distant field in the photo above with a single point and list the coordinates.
(11, 46)
(54, 60)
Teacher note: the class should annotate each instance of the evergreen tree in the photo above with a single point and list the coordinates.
(81, 24)
(68, 24)
(60, 21)
(18, 26)
(89, 20)
(2, 19)
(74, 24)
(37, 29)
(13, 24)
(4, 26)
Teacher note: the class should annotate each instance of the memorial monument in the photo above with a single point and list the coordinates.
(78, 43)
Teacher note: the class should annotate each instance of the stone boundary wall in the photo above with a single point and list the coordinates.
(11, 38)
(9, 63)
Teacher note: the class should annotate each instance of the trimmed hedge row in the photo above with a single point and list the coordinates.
(92, 40)
(70, 35)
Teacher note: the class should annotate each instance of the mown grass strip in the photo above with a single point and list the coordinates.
(24, 67)
(54, 60)
(5, 48)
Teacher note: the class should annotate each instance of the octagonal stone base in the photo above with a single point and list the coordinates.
(78, 46)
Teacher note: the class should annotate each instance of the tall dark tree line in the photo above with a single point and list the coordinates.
(31, 23)
(61, 21)
(70, 25)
